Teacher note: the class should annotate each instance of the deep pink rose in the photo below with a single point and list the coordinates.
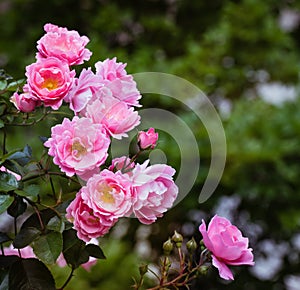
(78, 146)
(154, 191)
(86, 89)
(226, 244)
(118, 81)
(147, 139)
(49, 80)
(87, 225)
(114, 115)
(108, 194)
(24, 102)
(66, 45)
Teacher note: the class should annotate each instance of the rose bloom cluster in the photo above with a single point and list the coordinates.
(104, 103)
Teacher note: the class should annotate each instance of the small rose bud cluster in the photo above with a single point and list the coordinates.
(104, 104)
(222, 245)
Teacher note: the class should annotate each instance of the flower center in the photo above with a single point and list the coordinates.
(50, 84)
(78, 149)
(106, 194)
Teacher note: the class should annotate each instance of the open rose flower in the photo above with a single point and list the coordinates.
(154, 191)
(86, 89)
(226, 244)
(118, 81)
(78, 146)
(114, 115)
(147, 139)
(87, 225)
(24, 102)
(66, 45)
(48, 81)
(108, 194)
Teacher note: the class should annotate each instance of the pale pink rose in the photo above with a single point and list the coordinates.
(114, 115)
(86, 89)
(61, 262)
(78, 146)
(49, 80)
(87, 225)
(66, 45)
(17, 176)
(226, 244)
(147, 139)
(154, 191)
(118, 81)
(108, 194)
(26, 252)
(24, 102)
(123, 164)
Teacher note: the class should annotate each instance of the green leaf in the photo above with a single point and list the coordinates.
(56, 224)
(95, 251)
(8, 182)
(17, 208)
(26, 236)
(4, 238)
(5, 202)
(1, 124)
(3, 84)
(48, 247)
(13, 166)
(35, 220)
(22, 157)
(31, 190)
(7, 261)
(4, 280)
(29, 274)
(74, 250)
(14, 86)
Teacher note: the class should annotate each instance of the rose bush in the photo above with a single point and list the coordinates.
(57, 226)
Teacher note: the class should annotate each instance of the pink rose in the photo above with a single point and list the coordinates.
(114, 115)
(147, 139)
(86, 89)
(154, 191)
(49, 80)
(118, 81)
(124, 164)
(78, 146)
(24, 102)
(87, 225)
(108, 194)
(226, 244)
(26, 252)
(66, 45)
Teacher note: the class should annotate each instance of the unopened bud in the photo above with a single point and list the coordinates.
(202, 246)
(191, 245)
(203, 270)
(143, 269)
(177, 239)
(168, 247)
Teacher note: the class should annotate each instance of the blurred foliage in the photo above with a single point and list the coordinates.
(226, 48)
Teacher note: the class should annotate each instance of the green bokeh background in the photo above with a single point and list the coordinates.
(228, 49)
